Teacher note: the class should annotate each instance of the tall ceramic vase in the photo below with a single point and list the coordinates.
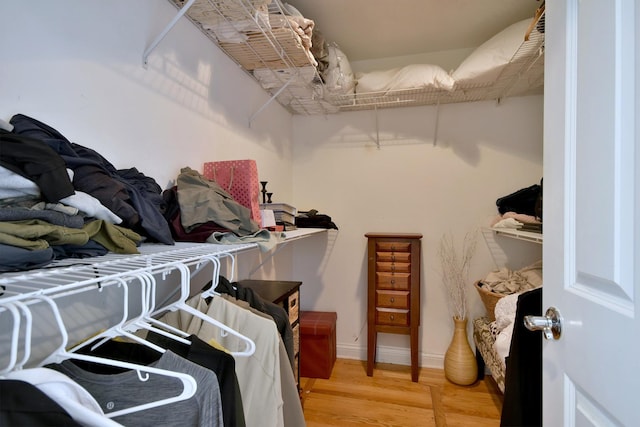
(460, 366)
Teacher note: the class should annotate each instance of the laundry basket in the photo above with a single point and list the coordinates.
(489, 298)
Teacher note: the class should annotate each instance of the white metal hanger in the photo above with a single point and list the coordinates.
(27, 333)
(233, 266)
(60, 354)
(146, 321)
(215, 261)
(250, 346)
(119, 329)
(211, 292)
(13, 354)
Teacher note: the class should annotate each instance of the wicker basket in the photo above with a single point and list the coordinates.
(489, 299)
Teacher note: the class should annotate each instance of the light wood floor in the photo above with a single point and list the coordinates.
(389, 398)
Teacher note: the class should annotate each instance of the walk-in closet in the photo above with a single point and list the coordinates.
(421, 141)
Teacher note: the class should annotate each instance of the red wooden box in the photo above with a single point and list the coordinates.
(317, 343)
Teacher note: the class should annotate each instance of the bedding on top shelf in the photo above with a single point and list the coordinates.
(416, 76)
(308, 88)
(486, 62)
(271, 40)
(256, 33)
(281, 47)
(489, 72)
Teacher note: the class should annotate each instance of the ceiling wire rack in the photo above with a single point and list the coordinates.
(274, 49)
(293, 81)
(523, 75)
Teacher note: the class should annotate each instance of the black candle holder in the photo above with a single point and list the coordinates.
(269, 197)
(264, 191)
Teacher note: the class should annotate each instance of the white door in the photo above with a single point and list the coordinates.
(591, 375)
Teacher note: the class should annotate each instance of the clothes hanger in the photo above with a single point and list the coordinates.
(211, 292)
(189, 384)
(27, 334)
(119, 330)
(13, 353)
(231, 275)
(233, 266)
(145, 321)
(250, 346)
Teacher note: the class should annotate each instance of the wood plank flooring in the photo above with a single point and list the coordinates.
(389, 398)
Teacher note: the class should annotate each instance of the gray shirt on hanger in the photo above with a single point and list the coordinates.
(124, 390)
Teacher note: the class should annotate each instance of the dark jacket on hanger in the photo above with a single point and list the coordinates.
(522, 406)
(23, 404)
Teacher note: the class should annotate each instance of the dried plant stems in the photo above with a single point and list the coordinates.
(455, 271)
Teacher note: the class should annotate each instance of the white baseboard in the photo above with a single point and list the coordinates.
(395, 355)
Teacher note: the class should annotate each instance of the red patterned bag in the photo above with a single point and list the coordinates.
(240, 179)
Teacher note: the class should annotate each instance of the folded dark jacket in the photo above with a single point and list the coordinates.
(128, 193)
(312, 219)
(37, 162)
(14, 258)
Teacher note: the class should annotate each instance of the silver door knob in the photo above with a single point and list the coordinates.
(550, 324)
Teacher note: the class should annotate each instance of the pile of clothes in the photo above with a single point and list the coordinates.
(59, 200)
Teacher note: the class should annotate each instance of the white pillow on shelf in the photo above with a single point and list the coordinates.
(338, 76)
(486, 62)
(415, 76)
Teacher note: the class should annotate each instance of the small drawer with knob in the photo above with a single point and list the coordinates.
(391, 246)
(392, 299)
(392, 317)
(394, 267)
(395, 257)
(386, 280)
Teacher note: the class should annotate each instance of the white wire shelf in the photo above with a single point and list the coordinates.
(519, 234)
(293, 81)
(71, 274)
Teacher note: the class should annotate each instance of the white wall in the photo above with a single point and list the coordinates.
(77, 66)
(437, 170)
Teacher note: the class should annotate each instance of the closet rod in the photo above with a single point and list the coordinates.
(158, 39)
